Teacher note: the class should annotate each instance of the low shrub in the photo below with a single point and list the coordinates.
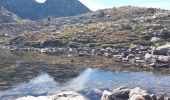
(73, 45)
(143, 42)
(90, 45)
(55, 43)
(121, 45)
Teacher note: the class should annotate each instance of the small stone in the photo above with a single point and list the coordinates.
(72, 60)
(153, 97)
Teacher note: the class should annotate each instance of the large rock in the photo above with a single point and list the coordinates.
(139, 94)
(163, 59)
(155, 39)
(160, 15)
(165, 33)
(137, 97)
(121, 93)
(162, 50)
(61, 96)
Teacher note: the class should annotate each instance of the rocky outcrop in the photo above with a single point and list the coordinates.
(121, 93)
(162, 50)
(30, 9)
(124, 93)
(165, 33)
(61, 96)
(155, 39)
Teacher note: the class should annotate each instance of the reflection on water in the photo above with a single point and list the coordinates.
(90, 79)
(23, 74)
(44, 84)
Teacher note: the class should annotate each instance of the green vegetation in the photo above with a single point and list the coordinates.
(73, 44)
(33, 44)
(143, 43)
(123, 45)
(55, 43)
(91, 45)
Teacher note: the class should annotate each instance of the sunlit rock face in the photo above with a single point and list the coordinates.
(39, 9)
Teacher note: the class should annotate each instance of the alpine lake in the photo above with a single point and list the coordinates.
(40, 74)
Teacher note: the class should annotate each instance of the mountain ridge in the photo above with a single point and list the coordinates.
(7, 17)
(30, 9)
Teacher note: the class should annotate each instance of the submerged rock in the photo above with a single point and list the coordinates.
(61, 96)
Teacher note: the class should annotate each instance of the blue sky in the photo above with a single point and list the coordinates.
(101, 4)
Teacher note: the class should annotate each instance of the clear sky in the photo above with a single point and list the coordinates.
(101, 4)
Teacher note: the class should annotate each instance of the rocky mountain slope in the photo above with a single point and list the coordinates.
(133, 35)
(116, 27)
(6, 16)
(30, 9)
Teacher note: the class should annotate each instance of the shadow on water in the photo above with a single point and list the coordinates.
(35, 74)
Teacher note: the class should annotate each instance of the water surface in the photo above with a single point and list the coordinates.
(22, 75)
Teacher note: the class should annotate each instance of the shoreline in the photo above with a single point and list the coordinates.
(140, 56)
(121, 93)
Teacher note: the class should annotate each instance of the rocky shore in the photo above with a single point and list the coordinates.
(141, 56)
(124, 93)
(61, 96)
(121, 93)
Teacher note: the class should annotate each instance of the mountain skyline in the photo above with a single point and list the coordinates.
(30, 9)
(102, 4)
